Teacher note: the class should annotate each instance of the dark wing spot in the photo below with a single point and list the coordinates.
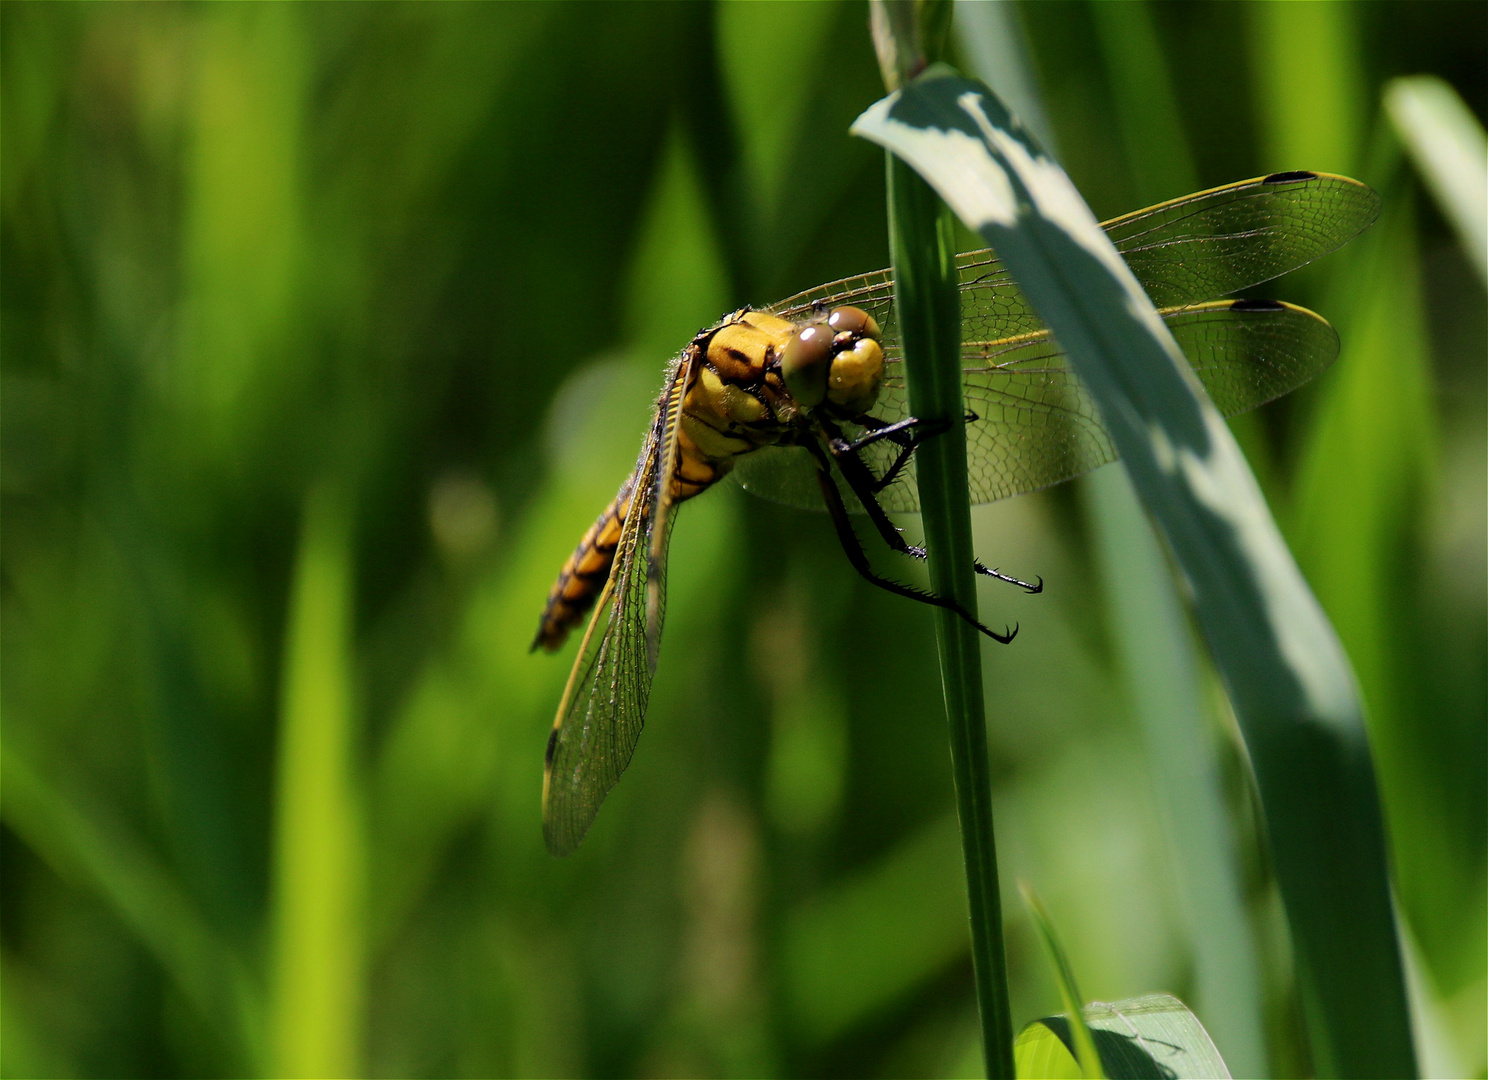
(552, 745)
(1289, 177)
(1257, 305)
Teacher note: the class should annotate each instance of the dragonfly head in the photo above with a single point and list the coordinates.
(838, 361)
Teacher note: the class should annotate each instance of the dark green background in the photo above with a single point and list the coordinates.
(390, 287)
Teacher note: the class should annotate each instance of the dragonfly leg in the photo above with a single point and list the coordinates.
(859, 558)
(1037, 587)
(907, 434)
(860, 479)
(910, 431)
(892, 472)
(864, 485)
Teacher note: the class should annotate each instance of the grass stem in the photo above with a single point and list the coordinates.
(927, 303)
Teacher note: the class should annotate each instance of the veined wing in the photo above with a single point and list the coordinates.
(1184, 251)
(604, 704)
(1036, 423)
(1230, 238)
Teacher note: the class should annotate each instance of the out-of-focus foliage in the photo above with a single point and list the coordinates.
(328, 329)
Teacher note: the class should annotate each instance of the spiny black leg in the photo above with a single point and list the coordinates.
(892, 472)
(860, 479)
(907, 434)
(859, 558)
(1000, 576)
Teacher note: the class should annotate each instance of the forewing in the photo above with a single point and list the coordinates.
(1220, 241)
(604, 705)
(1191, 250)
(1184, 251)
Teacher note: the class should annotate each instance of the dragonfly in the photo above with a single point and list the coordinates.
(804, 402)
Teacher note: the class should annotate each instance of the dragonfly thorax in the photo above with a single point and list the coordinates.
(760, 377)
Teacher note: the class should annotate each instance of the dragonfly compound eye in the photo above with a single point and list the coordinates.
(805, 362)
(857, 373)
(855, 321)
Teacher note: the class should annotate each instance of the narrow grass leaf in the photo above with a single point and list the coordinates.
(1450, 151)
(927, 303)
(1282, 663)
(318, 832)
(1064, 976)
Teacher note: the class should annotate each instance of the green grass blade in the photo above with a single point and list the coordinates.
(1286, 673)
(1447, 145)
(1069, 990)
(928, 306)
(1154, 645)
(318, 833)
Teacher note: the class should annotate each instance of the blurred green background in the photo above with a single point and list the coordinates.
(327, 329)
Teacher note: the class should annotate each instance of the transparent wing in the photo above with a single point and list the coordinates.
(1220, 241)
(1185, 251)
(604, 705)
(1037, 425)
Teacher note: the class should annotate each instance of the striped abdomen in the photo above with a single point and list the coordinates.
(723, 414)
(583, 577)
(584, 574)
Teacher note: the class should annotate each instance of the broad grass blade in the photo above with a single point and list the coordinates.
(1150, 1036)
(1285, 670)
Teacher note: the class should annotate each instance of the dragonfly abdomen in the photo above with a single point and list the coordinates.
(583, 575)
